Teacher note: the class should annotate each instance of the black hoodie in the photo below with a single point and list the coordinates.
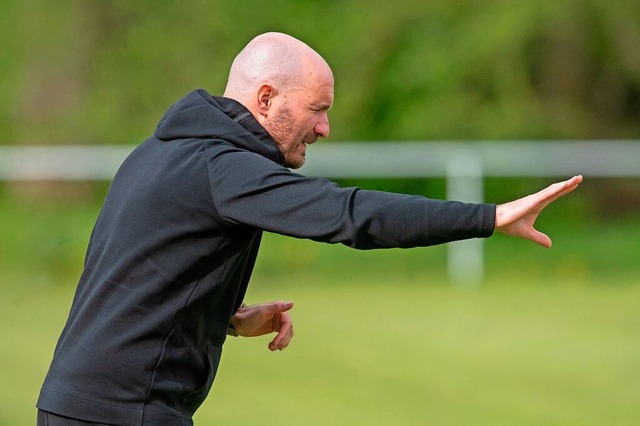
(173, 249)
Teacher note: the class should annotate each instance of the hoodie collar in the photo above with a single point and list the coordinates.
(241, 115)
(200, 115)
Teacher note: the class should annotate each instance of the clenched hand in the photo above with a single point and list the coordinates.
(265, 318)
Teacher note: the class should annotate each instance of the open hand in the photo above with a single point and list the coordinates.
(518, 217)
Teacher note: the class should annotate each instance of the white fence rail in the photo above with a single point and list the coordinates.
(464, 164)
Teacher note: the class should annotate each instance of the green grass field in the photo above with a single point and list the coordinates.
(551, 338)
(392, 353)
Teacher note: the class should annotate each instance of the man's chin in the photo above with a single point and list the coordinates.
(294, 163)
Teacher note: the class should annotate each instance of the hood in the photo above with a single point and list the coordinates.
(200, 115)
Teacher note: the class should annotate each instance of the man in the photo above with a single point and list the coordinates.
(173, 248)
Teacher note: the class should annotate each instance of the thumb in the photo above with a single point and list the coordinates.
(541, 238)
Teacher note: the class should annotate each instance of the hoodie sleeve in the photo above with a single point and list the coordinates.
(250, 190)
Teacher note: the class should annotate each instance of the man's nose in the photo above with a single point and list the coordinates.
(322, 128)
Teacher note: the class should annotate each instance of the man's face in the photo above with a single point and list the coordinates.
(299, 117)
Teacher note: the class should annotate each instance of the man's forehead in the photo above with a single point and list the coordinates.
(318, 94)
(323, 97)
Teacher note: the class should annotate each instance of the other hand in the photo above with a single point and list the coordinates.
(266, 318)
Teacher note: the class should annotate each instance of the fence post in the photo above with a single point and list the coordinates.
(465, 259)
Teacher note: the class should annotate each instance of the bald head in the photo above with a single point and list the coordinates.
(278, 60)
(288, 87)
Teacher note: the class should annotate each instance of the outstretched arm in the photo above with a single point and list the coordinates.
(518, 217)
(265, 318)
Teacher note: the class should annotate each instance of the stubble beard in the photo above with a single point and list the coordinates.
(282, 130)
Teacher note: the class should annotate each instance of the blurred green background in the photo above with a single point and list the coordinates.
(382, 338)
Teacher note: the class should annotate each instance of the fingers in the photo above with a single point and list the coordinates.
(277, 307)
(571, 185)
(284, 327)
(560, 189)
(568, 186)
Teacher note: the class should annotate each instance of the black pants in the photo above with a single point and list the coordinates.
(49, 419)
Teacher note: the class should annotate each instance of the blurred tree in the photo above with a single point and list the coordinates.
(82, 72)
(102, 72)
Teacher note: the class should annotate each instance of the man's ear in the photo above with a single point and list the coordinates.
(264, 95)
